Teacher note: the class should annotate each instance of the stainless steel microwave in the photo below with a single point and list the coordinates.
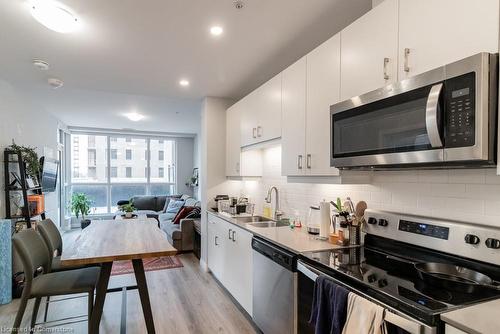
(444, 118)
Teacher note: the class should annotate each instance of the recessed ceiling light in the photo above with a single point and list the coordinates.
(184, 83)
(41, 65)
(216, 30)
(55, 83)
(135, 117)
(54, 15)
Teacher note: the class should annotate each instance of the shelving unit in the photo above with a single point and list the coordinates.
(13, 157)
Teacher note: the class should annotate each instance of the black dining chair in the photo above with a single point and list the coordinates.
(40, 282)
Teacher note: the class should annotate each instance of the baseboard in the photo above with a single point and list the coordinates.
(204, 266)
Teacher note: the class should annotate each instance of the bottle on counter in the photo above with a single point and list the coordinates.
(267, 211)
(296, 219)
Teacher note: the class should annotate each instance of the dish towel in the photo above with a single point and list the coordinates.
(329, 308)
(363, 316)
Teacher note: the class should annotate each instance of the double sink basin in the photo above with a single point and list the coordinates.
(259, 221)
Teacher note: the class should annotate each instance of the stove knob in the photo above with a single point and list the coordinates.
(383, 222)
(493, 243)
(372, 221)
(472, 239)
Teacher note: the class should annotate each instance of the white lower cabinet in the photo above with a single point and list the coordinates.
(230, 259)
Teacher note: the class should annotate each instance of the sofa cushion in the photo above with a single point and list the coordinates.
(191, 202)
(166, 217)
(174, 206)
(183, 212)
(167, 201)
(185, 197)
(173, 230)
(144, 202)
(195, 213)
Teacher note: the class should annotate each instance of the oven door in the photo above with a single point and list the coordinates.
(403, 126)
(395, 321)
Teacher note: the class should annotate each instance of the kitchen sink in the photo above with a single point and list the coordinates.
(269, 224)
(254, 219)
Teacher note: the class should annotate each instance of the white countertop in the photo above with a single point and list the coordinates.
(297, 240)
(482, 318)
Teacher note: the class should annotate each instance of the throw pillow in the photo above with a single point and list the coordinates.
(182, 214)
(167, 201)
(195, 213)
(174, 206)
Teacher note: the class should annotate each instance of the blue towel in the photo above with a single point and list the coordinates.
(329, 308)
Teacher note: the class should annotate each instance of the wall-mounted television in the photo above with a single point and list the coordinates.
(50, 168)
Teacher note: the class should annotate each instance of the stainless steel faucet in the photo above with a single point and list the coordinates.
(277, 212)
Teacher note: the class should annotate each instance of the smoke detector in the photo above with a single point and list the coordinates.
(55, 83)
(238, 4)
(41, 65)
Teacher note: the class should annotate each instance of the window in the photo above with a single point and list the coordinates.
(89, 172)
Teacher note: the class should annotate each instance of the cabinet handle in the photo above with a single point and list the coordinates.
(299, 162)
(229, 234)
(215, 240)
(259, 131)
(308, 161)
(253, 132)
(407, 56)
(237, 167)
(386, 62)
(234, 232)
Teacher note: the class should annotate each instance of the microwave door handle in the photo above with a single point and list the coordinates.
(431, 116)
(403, 323)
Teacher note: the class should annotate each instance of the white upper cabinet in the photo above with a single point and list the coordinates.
(294, 119)
(369, 50)
(261, 113)
(238, 162)
(438, 32)
(323, 90)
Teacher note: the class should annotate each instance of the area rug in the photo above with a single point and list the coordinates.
(152, 264)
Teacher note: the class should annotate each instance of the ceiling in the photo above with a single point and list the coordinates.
(143, 48)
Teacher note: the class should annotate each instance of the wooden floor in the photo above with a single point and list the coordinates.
(184, 300)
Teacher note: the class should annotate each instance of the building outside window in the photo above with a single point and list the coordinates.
(91, 140)
(107, 173)
(161, 155)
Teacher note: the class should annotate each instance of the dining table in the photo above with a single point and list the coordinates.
(106, 241)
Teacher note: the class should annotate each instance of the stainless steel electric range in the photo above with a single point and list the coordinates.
(415, 267)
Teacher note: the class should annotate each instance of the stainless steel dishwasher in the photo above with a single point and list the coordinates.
(274, 286)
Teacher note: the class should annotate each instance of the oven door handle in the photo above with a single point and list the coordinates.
(432, 116)
(400, 322)
(306, 271)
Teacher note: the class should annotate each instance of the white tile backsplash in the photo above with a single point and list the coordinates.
(467, 195)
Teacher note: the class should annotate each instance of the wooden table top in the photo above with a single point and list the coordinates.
(114, 240)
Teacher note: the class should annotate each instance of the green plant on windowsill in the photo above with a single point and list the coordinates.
(128, 209)
(80, 206)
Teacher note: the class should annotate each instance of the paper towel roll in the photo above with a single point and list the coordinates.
(324, 210)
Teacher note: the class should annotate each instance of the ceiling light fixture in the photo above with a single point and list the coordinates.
(135, 117)
(41, 65)
(54, 15)
(216, 30)
(184, 83)
(55, 83)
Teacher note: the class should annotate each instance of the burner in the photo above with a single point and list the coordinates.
(435, 293)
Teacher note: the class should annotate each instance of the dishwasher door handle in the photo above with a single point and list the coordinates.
(306, 271)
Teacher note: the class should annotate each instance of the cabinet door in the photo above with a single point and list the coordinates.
(369, 50)
(233, 141)
(216, 249)
(239, 267)
(269, 110)
(248, 120)
(294, 119)
(438, 32)
(323, 90)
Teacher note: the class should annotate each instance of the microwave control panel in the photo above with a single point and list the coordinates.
(460, 111)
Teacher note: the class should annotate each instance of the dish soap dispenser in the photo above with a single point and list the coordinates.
(267, 210)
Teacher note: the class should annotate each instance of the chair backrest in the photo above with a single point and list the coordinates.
(33, 252)
(51, 236)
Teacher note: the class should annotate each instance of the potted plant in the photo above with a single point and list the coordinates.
(30, 158)
(80, 205)
(128, 209)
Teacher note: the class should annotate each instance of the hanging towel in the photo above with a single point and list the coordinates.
(329, 308)
(363, 316)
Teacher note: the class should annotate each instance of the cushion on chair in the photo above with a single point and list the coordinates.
(183, 212)
(65, 282)
(174, 206)
(167, 201)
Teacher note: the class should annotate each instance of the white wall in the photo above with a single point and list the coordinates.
(28, 124)
(212, 148)
(472, 196)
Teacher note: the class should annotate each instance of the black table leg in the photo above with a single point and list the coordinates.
(140, 277)
(101, 289)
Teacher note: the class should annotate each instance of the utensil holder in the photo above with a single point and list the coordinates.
(354, 235)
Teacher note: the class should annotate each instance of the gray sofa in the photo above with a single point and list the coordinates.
(181, 235)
